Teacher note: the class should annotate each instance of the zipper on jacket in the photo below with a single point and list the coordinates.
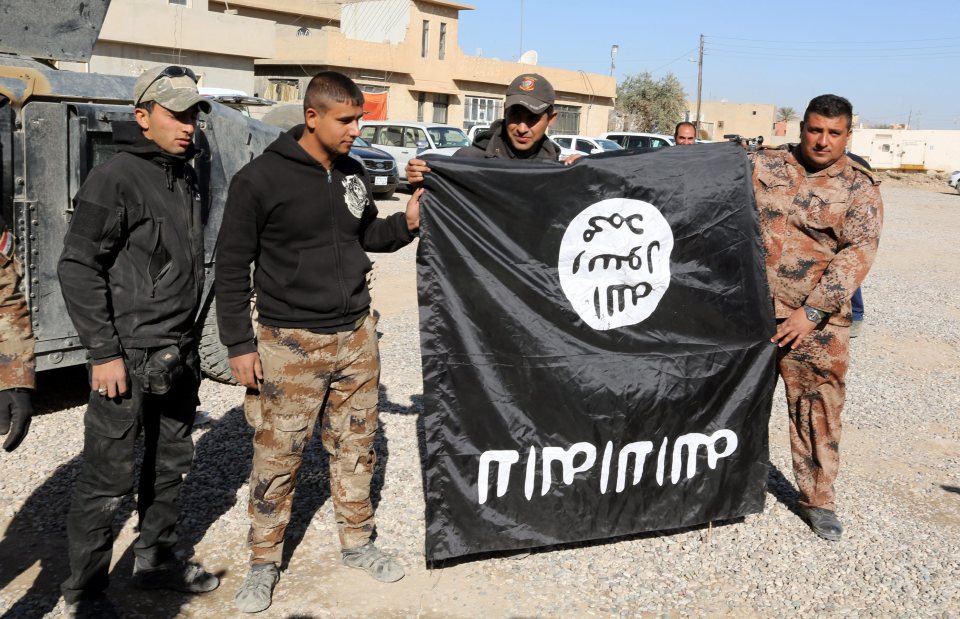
(166, 267)
(336, 245)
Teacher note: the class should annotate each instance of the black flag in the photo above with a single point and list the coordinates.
(596, 354)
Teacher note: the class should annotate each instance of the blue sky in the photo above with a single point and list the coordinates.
(894, 60)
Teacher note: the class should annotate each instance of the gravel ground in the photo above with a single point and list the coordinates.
(899, 488)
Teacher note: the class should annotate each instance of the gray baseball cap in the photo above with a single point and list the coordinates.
(532, 91)
(174, 87)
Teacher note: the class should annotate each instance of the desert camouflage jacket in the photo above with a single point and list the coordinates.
(16, 334)
(820, 231)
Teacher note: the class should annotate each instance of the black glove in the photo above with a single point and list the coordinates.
(16, 409)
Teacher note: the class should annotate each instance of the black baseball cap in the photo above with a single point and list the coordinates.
(532, 91)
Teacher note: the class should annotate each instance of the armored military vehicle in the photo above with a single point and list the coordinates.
(55, 126)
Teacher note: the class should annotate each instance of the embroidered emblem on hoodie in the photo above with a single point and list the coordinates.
(355, 194)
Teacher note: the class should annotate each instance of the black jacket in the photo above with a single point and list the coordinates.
(131, 270)
(493, 144)
(306, 229)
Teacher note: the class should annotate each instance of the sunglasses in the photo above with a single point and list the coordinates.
(171, 71)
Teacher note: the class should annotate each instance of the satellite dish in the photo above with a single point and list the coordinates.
(529, 57)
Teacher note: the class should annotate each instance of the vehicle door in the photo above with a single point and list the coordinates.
(412, 140)
(585, 146)
(388, 138)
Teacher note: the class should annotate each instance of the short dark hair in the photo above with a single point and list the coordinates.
(830, 106)
(676, 129)
(147, 105)
(331, 86)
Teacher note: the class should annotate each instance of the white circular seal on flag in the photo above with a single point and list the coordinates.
(355, 195)
(614, 262)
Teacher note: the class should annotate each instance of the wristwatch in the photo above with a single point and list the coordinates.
(813, 314)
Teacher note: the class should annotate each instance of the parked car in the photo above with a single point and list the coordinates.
(472, 131)
(381, 167)
(404, 140)
(954, 180)
(380, 164)
(566, 152)
(236, 99)
(584, 145)
(630, 139)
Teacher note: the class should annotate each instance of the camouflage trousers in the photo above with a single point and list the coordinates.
(305, 374)
(813, 377)
(16, 333)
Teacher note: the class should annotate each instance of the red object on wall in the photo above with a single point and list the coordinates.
(375, 106)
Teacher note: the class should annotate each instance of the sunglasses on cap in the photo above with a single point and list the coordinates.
(171, 71)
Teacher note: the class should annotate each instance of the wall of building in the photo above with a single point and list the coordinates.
(908, 149)
(155, 23)
(274, 47)
(407, 74)
(724, 117)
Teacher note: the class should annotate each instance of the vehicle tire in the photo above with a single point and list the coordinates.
(385, 195)
(214, 362)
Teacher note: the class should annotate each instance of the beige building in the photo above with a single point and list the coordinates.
(405, 52)
(908, 149)
(719, 118)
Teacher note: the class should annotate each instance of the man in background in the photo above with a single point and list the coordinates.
(685, 133)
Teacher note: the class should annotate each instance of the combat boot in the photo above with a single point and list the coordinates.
(175, 575)
(369, 558)
(256, 592)
(824, 522)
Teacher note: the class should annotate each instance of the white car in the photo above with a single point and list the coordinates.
(585, 145)
(954, 180)
(631, 139)
(237, 99)
(474, 130)
(405, 140)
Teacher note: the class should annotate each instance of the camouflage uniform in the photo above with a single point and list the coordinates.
(16, 333)
(820, 232)
(304, 373)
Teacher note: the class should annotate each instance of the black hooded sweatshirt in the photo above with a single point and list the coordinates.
(306, 229)
(131, 270)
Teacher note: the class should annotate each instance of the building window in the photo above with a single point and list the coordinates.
(283, 90)
(443, 41)
(481, 111)
(425, 39)
(179, 2)
(568, 119)
(421, 100)
(440, 104)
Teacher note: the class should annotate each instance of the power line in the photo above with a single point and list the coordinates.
(817, 43)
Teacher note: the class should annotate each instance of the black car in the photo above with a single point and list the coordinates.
(381, 167)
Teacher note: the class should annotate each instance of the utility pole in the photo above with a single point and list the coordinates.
(521, 29)
(699, 85)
